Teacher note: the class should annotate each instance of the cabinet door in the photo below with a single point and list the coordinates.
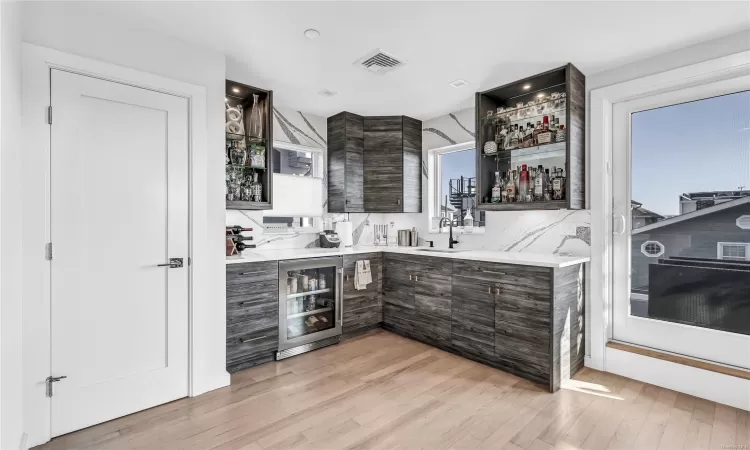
(363, 309)
(252, 313)
(523, 322)
(383, 164)
(354, 163)
(472, 316)
(432, 300)
(398, 294)
(412, 165)
(345, 163)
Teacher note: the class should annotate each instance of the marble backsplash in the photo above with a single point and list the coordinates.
(562, 232)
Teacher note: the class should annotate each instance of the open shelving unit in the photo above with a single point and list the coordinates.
(509, 104)
(238, 94)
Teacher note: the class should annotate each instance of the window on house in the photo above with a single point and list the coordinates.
(733, 251)
(453, 187)
(652, 248)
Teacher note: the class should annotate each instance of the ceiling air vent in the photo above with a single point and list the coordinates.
(379, 62)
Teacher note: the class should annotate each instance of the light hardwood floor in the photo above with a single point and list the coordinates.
(381, 391)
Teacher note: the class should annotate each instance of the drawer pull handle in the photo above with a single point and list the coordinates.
(245, 341)
(497, 290)
(410, 277)
(416, 278)
(489, 289)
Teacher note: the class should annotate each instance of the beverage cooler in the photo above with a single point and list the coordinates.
(310, 297)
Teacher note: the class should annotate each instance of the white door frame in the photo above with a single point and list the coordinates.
(36, 65)
(600, 299)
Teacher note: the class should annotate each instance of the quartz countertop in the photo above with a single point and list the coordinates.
(520, 258)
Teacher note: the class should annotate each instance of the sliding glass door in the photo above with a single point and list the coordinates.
(681, 250)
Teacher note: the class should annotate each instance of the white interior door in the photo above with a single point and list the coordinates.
(681, 175)
(118, 209)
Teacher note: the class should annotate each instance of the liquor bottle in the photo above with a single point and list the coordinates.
(496, 189)
(539, 186)
(528, 138)
(537, 130)
(256, 188)
(504, 191)
(510, 187)
(560, 134)
(523, 184)
(513, 138)
(547, 186)
(236, 229)
(544, 136)
(558, 186)
(501, 138)
(521, 141)
(553, 128)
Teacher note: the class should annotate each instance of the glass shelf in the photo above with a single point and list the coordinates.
(522, 113)
(242, 137)
(552, 149)
(241, 167)
(308, 313)
(302, 294)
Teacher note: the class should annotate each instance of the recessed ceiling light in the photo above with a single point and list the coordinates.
(540, 95)
(458, 83)
(312, 33)
(527, 86)
(236, 90)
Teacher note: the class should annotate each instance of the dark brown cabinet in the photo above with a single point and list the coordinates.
(345, 163)
(252, 314)
(533, 103)
(240, 170)
(362, 309)
(374, 164)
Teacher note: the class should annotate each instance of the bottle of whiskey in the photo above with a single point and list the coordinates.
(558, 186)
(560, 134)
(510, 187)
(523, 184)
(528, 138)
(547, 186)
(539, 186)
(537, 130)
(504, 192)
(512, 138)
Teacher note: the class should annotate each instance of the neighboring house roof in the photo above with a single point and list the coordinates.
(639, 211)
(694, 214)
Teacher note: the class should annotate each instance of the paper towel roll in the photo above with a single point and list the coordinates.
(344, 230)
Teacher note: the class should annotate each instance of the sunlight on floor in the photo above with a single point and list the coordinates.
(589, 388)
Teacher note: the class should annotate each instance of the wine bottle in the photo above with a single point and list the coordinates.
(236, 229)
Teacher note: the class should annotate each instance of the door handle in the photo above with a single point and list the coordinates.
(51, 380)
(173, 263)
(622, 219)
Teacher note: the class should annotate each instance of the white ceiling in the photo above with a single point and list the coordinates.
(485, 43)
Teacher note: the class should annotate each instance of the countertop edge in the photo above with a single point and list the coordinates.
(471, 255)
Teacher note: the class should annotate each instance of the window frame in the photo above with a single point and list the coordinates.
(433, 188)
(319, 163)
(645, 245)
(720, 251)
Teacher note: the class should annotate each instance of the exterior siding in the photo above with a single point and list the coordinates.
(696, 238)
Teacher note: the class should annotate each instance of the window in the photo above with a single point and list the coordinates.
(453, 186)
(653, 249)
(298, 189)
(737, 251)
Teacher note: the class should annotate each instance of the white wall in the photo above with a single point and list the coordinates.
(69, 28)
(11, 373)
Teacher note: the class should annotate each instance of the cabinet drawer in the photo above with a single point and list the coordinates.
(252, 272)
(257, 311)
(253, 288)
(244, 346)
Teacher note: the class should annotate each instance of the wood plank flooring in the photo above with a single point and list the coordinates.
(381, 391)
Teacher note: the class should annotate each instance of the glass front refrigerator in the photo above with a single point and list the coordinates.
(310, 295)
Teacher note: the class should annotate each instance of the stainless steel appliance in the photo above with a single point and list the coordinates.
(310, 296)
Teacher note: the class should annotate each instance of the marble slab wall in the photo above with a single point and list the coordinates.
(562, 232)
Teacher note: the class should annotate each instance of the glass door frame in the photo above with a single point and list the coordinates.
(696, 342)
(301, 264)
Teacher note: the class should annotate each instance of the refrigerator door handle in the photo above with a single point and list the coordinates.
(340, 296)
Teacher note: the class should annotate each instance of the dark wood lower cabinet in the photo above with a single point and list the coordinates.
(525, 320)
(363, 309)
(252, 314)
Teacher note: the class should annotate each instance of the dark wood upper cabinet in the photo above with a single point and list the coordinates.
(239, 174)
(345, 163)
(530, 101)
(374, 164)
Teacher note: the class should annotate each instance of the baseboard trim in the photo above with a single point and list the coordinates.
(680, 359)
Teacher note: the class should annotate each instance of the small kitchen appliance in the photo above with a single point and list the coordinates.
(329, 239)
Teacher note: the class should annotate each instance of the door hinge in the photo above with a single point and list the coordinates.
(49, 115)
(51, 380)
(48, 251)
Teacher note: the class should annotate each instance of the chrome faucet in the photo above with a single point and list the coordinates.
(451, 241)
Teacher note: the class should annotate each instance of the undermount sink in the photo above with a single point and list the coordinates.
(442, 250)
